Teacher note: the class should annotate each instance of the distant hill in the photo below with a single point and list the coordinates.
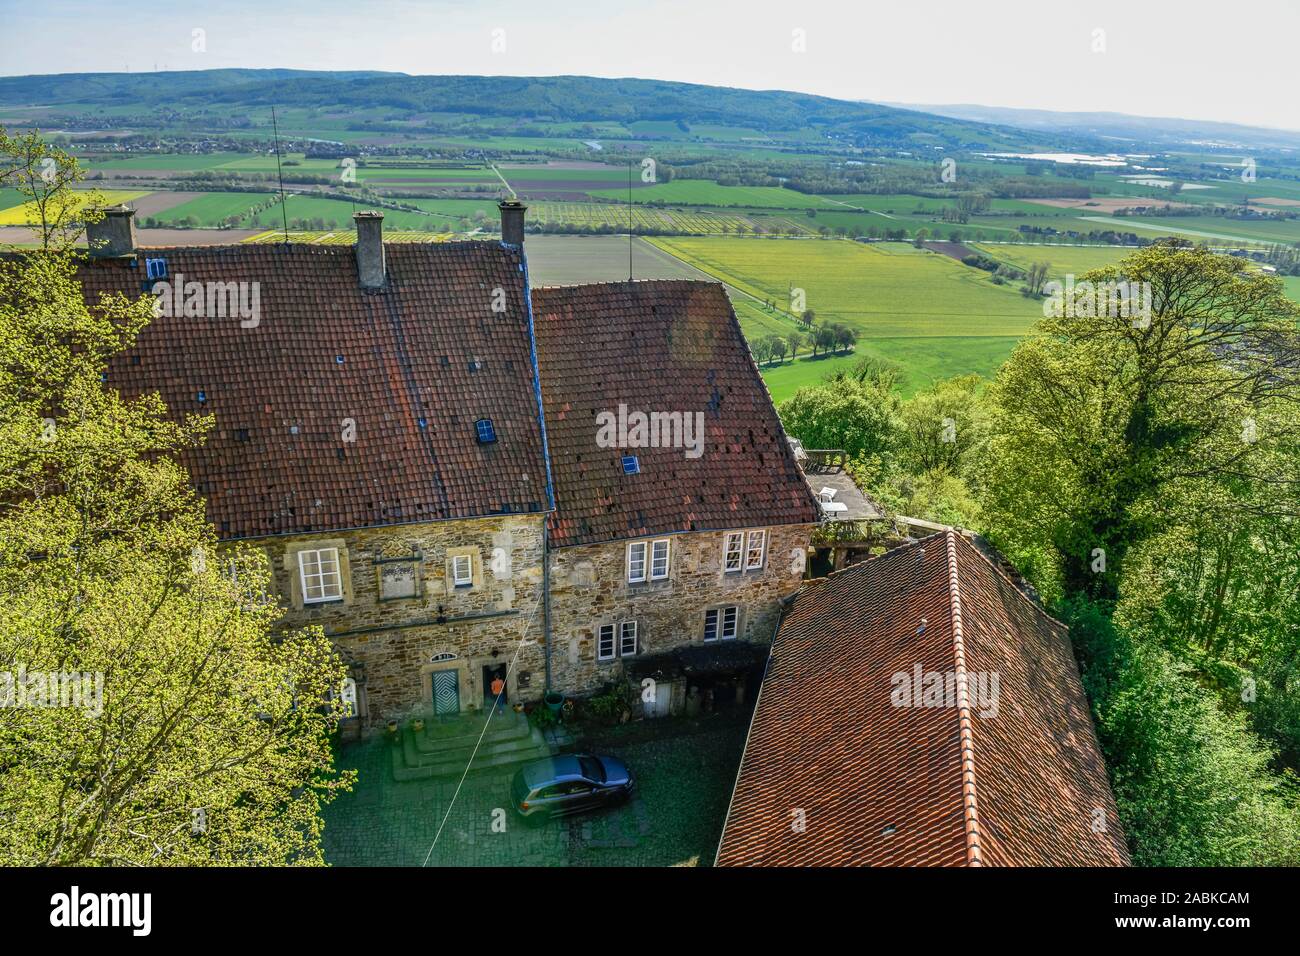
(553, 98)
(1121, 126)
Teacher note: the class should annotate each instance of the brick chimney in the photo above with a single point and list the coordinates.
(512, 221)
(370, 249)
(113, 235)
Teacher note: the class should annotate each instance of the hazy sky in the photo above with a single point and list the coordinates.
(1194, 58)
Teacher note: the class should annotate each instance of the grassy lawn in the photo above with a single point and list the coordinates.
(920, 362)
(685, 768)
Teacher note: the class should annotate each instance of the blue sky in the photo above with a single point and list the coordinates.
(1195, 59)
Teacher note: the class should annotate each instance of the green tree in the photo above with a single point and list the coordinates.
(859, 417)
(203, 735)
(43, 175)
(1098, 418)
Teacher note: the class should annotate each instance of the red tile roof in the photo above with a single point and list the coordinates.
(412, 366)
(834, 774)
(659, 346)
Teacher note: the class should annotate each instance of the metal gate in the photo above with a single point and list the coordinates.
(446, 692)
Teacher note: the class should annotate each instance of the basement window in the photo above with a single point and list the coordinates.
(487, 434)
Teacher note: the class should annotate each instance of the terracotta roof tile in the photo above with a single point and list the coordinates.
(413, 367)
(878, 784)
(659, 346)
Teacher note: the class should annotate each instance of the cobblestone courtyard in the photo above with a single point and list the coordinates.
(685, 768)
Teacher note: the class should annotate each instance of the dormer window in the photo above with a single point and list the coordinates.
(487, 433)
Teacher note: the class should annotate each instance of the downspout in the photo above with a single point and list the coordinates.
(546, 458)
(546, 601)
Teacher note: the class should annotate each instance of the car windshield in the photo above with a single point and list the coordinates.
(591, 769)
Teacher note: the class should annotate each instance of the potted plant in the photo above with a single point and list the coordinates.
(554, 701)
(418, 725)
(392, 729)
(519, 708)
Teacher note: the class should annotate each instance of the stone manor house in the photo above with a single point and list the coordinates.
(420, 443)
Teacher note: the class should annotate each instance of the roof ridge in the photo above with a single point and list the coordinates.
(970, 802)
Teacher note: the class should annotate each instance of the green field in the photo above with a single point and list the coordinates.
(925, 312)
(212, 209)
(24, 213)
(703, 192)
(1064, 260)
(698, 221)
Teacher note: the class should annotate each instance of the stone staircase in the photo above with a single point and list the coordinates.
(444, 747)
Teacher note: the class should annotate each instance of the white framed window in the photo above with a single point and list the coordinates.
(733, 551)
(462, 570)
(636, 562)
(319, 572)
(730, 615)
(348, 694)
(659, 559)
(627, 643)
(720, 623)
(755, 551)
(605, 643)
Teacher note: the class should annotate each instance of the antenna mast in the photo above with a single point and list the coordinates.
(629, 220)
(284, 210)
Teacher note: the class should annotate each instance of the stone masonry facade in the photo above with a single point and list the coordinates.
(589, 587)
(402, 617)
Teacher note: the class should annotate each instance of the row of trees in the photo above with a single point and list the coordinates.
(1146, 478)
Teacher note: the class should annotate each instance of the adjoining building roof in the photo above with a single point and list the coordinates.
(842, 769)
(344, 407)
(658, 347)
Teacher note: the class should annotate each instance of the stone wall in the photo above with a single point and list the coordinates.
(589, 587)
(402, 618)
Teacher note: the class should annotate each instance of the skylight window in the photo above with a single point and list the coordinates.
(487, 434)
(631, 465)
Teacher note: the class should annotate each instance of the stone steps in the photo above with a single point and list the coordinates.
(509, 740)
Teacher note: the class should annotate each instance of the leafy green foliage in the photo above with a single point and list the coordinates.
(1192, 783)
(203, 735)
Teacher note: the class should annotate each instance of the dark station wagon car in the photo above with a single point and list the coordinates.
(570, 783)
